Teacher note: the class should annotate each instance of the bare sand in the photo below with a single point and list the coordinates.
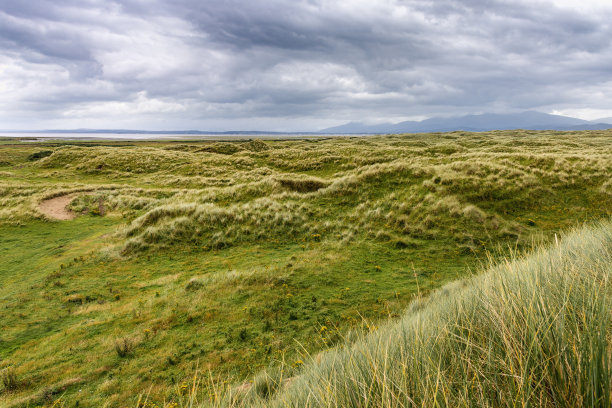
(55, 208)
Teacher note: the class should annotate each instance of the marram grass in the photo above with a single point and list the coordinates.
(235, 256)
(530, 332)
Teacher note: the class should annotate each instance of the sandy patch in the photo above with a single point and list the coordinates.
(55, 208)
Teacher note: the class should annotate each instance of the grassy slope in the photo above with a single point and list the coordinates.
(533, 331)
(244, 257)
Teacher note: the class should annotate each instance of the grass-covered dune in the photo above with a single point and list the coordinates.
(228, 258)
(535, 331)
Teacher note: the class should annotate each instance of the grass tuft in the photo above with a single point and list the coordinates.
(9, 379)
(124, 346)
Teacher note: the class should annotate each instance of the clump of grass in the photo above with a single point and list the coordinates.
(536, 331)
(214, 226)
(256, 145)
(265, 385)
(124, 346)
(9, 379)
(194, 284)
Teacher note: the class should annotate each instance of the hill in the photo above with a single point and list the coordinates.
(533, 331)
(475, 123)
(603, 120)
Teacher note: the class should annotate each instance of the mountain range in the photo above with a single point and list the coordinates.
(530, 120)
(477, 123)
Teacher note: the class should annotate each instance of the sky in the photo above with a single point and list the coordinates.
(297, 65)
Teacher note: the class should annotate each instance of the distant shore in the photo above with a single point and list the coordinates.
(46, 136)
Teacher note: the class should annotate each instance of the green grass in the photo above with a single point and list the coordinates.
(273, 293)
(532, 331)
(26, 252)
(232, 260)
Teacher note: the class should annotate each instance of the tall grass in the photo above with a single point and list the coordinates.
(535, 331)
(321, 231)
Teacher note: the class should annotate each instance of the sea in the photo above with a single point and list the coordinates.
(89, 136)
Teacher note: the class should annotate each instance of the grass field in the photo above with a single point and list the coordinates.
(230, 258)
(532, 331)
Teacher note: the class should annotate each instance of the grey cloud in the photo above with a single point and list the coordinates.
(50, 42)
(318, 60)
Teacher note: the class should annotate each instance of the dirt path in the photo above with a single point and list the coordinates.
(55, 208)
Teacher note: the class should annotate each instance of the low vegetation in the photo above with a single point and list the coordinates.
(534, 331)
(237, 259)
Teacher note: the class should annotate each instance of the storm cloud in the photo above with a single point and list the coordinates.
(297, 64)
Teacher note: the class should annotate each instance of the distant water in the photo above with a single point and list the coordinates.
(35, 136)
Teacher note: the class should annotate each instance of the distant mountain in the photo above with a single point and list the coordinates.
(603, 120)
(474, 123)
(358, 127)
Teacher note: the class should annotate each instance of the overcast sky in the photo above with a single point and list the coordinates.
(297, 64)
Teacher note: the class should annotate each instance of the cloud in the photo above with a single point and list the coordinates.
(295, 65)
(142, 104)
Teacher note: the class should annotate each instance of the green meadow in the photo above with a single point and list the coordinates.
(388, 271)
